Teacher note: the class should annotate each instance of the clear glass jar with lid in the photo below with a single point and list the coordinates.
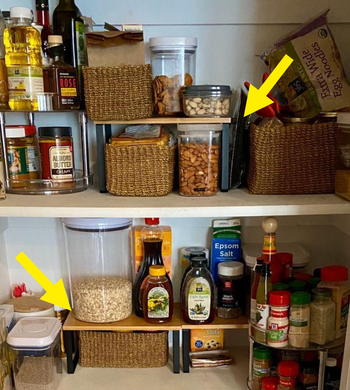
(322, 316)
(174, 66)
(199, 156)
(207, 101)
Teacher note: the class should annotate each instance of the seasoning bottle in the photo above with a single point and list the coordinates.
(198, 298)
(332, 375)
(299, 320)
(322, 316)
(278, 323)
(269, 252)
(230, 289)
(308, 376)
(254, 288)
(303, 277)
(61, 79)
(336, 278)
(286, 260)
(269, 383)
(262, 303)
(287, 372)
(57, 155)
(158, 301)
(261, 365)
(297, 285)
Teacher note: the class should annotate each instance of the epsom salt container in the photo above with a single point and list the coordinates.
(35, 344)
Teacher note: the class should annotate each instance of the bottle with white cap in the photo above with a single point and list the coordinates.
(23, 60)
(332, 374)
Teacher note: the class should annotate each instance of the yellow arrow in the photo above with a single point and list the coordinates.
(55, 293)
(257, 98)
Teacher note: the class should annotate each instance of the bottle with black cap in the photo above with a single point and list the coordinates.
(198, 294)
(189, 267)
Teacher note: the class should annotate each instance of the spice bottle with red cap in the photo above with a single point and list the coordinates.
(335, 277)
(278, 322)
(152, 238)
(269, 383)
(287, 372)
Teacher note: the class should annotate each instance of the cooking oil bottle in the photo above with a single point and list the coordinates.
(23, 61)
(4, 93)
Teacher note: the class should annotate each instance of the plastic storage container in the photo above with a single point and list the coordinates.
(199, 156)
(98, 251)
(207, 101)
(35, 343)
(174, 66)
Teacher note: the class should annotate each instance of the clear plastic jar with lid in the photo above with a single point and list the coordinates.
(322, 321)
(278, 322)
(199, 156)
(230, 289)
(335, 277)
(207, 101)
(174, 66)
(299, 320)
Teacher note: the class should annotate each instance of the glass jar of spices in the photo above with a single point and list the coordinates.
(22, 154)
(57, 155)
(287, 372)
(261, 365)
(230, 289)
(299, 320)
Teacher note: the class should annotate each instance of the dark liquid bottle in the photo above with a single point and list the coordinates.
(152, 256)
(43, 18)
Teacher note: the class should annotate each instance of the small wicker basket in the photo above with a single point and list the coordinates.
(118, 93)
(123, 350)
(140, 170)
(295, 159)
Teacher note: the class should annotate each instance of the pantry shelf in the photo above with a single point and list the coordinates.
(167, 121)
(239, 203)
(221, 323)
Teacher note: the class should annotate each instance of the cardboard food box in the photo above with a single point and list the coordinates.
(207, 339)
(115, 48)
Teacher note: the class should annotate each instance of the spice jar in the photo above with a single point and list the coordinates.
(269, 383)
(322, 320)
(57, 157)
(230, 289)
(278, 323)
(199, 155)
(308, 376)
(336, 278)
(261, 365)
(297, 285)
(287, 372)
(312, 283)
(22, 153)
(299, 320)
(207, 101)
(173, 65)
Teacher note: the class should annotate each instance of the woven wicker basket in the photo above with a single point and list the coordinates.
(123, 350)
(140, 170)
(296, 159)
(118, 93)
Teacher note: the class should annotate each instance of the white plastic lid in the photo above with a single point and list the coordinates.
(37, 333)
(301, 256)
(173, 41)
(231, 268)
(21, 12)
(97, 223)
(200, 128)
(15, 132)
(331, 362)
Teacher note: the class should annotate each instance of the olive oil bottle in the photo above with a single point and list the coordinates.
(23, 61)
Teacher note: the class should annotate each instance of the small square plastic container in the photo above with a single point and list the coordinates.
(199, 157)
(200, 101)
(35, 344)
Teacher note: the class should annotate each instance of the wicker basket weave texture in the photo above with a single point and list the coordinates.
(123, 350)
(118, 93)
(140, 170)
(296, 159)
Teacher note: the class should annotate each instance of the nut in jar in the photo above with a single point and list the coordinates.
(199, 155)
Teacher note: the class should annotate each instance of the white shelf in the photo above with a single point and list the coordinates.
(238, 203)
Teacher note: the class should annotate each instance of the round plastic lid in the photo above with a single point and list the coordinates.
(194, 89)
(55, 131)
(279, 298)
(197, 254)
(97, 223)
(55, 40)
(301, 276)
(334, 273)
(199, 261)
(313, 282)
(322, 292)
(297, 285)
(262, 353)
(20, 131)
(152, 221)
(200, 128)
(231, 268)
(288, 368)
(157, 270)
(191, 249)
(21, 12)
(280, 287)
(331, 362)
(173, 41)
(301, 298)
(269, 383)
